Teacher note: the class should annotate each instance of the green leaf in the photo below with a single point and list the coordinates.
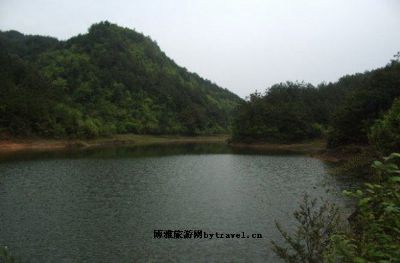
(391, 166)
(395, 179)
(390, 209)
(392, 156)
(377, 164)
(364, 201)
(369, 185)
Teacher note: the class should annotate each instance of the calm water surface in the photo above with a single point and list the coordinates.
(102, 205)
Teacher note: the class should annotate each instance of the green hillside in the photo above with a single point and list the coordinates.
(110, 80)
(344, 111)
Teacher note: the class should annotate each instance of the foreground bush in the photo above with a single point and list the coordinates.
(385, 133)
(5, 256)
(374, 234)
(312, 238)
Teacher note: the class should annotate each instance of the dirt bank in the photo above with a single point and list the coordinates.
(315, 148)
(129, 139)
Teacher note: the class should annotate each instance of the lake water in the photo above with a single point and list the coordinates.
(103, 205)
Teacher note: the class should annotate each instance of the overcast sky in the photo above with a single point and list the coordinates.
(242, 45)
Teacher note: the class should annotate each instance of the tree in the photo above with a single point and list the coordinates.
(283, 114)
(385, 133)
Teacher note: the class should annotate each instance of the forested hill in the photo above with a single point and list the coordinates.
(110, 80)
(352, 110)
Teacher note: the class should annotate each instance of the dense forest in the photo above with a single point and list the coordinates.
(354, 110)
(110, 80)
(116, 80)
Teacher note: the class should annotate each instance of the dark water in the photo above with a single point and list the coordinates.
(103, 205)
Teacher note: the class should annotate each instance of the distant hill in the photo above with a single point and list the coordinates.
(343, 111)
(110, 80)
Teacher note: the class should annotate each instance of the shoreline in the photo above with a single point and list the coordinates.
(15, 145)
(315, 148)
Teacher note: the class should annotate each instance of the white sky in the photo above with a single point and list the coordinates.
(242, 45)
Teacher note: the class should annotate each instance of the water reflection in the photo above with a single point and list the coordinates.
(135, 151)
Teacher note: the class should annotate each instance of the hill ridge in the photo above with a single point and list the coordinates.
(114, 80)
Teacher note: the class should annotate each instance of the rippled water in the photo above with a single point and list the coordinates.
(103, 205)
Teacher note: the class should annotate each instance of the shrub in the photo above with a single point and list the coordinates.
(5, 255)
(385, 133)
(374, 234)
(311, 239)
